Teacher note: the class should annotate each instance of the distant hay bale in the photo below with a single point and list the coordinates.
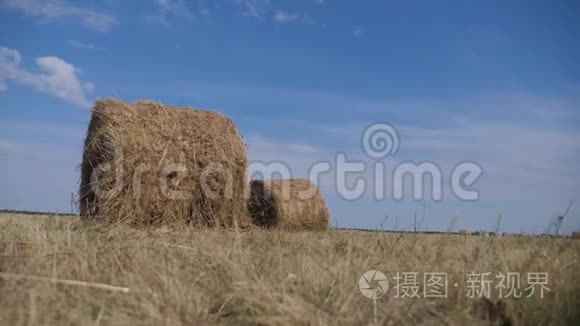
(149, 164)
(287, 204)
(463, 232)
(576, 235)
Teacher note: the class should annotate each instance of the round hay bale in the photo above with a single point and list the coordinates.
(287, 204)
(149, 164)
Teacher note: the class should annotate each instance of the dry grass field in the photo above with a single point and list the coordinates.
(195, 277)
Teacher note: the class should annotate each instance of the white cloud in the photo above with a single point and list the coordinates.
(284, 17)
(255, 8)
(259, 10)
(357, 31)
(166, 9)
(302, 148)
(298, 158)
(84, 46)
(7, 147)
(56, 77)
(259, 143)
(3, 86)
(511, 153)
(41, 130)
(53, 9)
(89, 86)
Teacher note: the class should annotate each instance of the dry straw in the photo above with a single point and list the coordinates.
(287, 204)
(149, 164)
(14, 276)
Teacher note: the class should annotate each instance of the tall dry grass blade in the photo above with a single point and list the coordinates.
(13, 276)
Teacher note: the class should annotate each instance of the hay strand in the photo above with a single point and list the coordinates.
(101, 286)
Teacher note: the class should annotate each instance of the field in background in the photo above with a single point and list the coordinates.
(185, 277)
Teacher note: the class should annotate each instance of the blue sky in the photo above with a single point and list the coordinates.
(497, 82)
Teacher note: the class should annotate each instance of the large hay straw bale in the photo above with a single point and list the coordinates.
(149, 164)
(287, 204)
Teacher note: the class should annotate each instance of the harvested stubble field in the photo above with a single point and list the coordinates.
(194, 277)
